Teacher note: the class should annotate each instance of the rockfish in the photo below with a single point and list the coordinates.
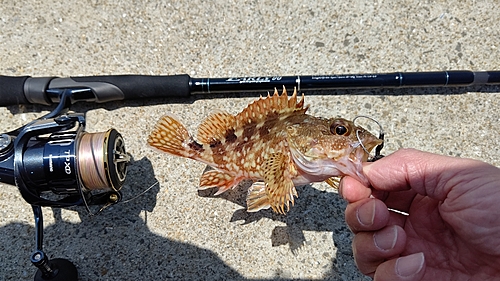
(272, 142)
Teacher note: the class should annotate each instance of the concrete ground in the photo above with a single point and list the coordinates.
(173, 231)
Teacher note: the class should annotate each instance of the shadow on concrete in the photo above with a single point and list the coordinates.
(113, 245)
(117, 244)
(314, 210)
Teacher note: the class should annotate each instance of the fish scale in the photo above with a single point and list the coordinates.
(272, 142)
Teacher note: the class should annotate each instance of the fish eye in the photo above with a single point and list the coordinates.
(339, 129)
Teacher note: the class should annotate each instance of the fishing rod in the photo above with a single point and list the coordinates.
(46, 90)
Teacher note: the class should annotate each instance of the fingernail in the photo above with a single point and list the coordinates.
(366, 213)
(340, 188)
(385, 239)
(410, 265)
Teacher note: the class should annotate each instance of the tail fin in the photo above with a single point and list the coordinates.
(170, 136)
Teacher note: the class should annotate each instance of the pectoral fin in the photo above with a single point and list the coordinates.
(279, 185)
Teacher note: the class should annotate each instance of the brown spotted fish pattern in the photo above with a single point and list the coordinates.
(272, 142)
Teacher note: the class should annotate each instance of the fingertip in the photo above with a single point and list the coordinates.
(352, 190)
(367, 215)
(408, 268)
(371, 249)
(410, 265)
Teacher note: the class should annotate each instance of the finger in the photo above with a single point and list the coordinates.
(407, 268)
(352, 190)
(371, 249)
(399, 200)
(397, 218)
(369, 214)
(428, 174)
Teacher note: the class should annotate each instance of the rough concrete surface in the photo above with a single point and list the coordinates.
(173, 232)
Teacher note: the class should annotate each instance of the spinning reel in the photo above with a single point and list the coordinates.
(55, 163)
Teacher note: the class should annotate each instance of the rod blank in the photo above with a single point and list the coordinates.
(454, 78)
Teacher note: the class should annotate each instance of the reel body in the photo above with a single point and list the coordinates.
(55, 163)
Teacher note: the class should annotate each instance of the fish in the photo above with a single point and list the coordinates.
(272, 142)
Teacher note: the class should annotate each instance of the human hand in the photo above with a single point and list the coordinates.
(452, 230)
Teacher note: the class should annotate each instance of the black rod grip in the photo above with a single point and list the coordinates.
(12, 90)
(119, 87)
(25, 89)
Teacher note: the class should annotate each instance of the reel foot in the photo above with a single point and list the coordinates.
(63, 270)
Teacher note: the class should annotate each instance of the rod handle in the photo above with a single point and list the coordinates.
(126, 87)
(36, 90)
(11, 90)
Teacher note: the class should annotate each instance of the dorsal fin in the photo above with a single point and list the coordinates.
(215, 127)
(271, 106)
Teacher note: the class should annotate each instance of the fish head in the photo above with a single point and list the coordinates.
(324, 148)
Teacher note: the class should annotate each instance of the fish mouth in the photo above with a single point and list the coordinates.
(367, 140)
(366, 143)
(321, 165)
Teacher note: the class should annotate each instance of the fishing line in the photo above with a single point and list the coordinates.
(141, 193)
(101, 165)
(92, 161)
(94, 167)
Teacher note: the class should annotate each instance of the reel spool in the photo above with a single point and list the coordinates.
(102, 160)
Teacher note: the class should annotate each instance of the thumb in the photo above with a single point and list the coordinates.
(408, 268)
(428, 174)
